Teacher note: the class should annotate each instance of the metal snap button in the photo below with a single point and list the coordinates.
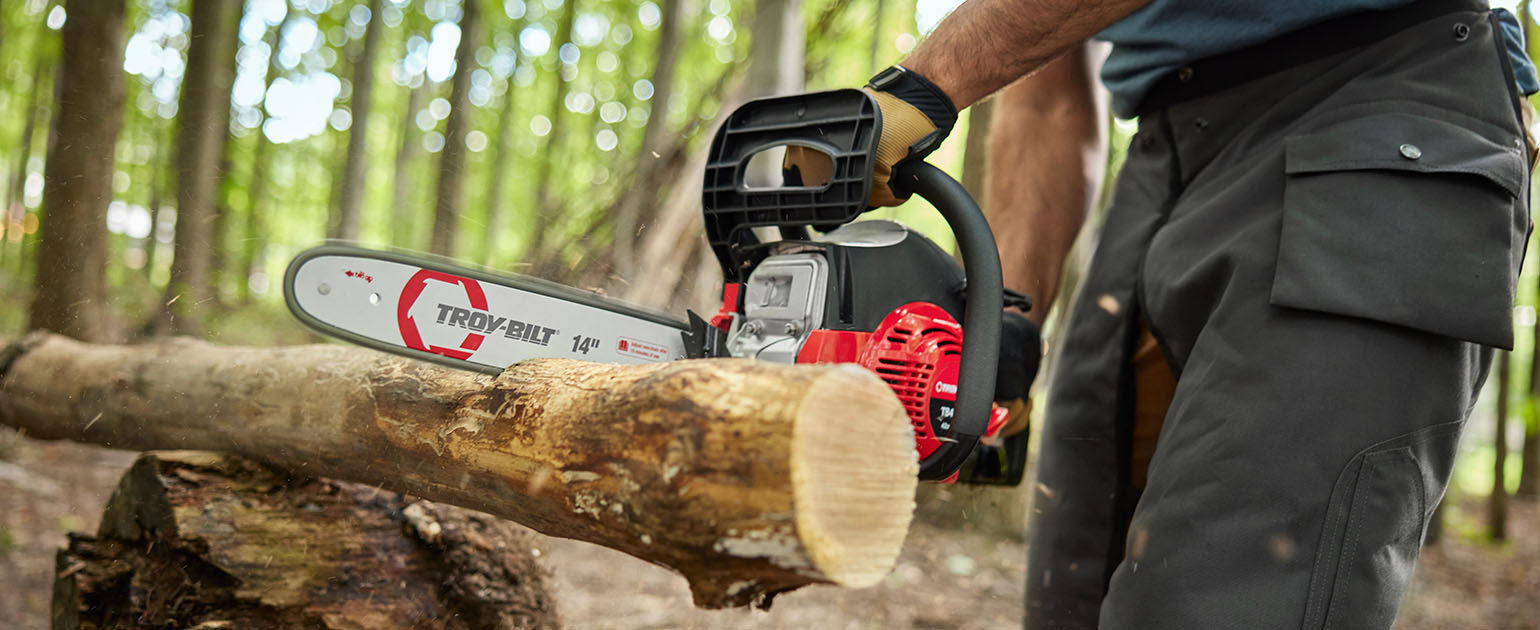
(1461, 31)
(1410, 151)
(1184, 74)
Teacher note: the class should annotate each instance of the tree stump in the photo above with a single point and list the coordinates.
(198, 540)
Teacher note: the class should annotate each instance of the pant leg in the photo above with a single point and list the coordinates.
(1080, 496)
(1325, 292)
(1321, 318)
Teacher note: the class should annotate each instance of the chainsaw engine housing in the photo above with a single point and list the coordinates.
(873, 293)
(791, 297)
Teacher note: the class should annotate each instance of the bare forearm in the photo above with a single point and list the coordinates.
(1047, 158)
(986, 44)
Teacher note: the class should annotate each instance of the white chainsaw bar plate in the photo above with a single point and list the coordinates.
(464, 318)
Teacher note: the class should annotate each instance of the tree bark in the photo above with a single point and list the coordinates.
(203, 105)
(1497, 502)
(451, 170)
(72, 297)
(351, 198)
(748, 478)
(192, 538)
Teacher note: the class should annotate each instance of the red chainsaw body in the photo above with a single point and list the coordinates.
(915, 350)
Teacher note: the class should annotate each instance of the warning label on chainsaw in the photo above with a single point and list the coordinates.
(641, 349)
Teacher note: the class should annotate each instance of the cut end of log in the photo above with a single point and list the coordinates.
(854, 472)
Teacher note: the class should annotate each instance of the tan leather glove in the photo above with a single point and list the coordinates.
(916, 117)
(903, 125)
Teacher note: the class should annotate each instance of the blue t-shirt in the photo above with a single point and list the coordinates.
(1165, 35)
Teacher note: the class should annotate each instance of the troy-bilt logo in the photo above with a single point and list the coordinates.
(487, 323)
(477, 319)
(408, 325)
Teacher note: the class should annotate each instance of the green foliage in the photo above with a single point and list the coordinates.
(304, 111)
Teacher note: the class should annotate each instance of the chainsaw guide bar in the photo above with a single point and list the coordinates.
(433, 310)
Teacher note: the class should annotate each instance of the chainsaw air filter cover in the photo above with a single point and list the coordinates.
(916, 350)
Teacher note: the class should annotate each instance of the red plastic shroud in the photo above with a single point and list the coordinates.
(916, 350)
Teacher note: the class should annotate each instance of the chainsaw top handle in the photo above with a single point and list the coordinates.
(845, 125)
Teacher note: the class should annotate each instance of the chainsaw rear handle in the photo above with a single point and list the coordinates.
(981, 319)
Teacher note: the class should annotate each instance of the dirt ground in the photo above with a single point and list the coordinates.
(949, 576)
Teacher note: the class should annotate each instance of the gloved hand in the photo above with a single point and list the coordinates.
(916, 117)
(1021, 352)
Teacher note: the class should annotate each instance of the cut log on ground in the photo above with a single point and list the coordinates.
(748, 478)
(200, 540)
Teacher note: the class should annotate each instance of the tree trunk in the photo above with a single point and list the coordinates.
(497, 203)
(875, 62)
(628, 212)
(976, 150)
(72, 297)
(199, 540)
(351, 197)
(1529, 469)
(160, 163)
(1497, 502)
(224, 185)
(748, 478)
(451, 170)
(255, 233)
(13, 217)
(203, 105)
(778, 45)
(401, 232)
(670, 244)
(545, 195)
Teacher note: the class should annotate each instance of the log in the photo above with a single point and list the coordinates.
(193, 539)
(747, 478)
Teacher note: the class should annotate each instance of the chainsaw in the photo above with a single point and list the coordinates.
(874, 293)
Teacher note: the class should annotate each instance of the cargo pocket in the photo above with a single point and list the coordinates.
(1375, 528)
(1406, 219)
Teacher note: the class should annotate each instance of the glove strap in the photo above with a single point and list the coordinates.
(918, 91)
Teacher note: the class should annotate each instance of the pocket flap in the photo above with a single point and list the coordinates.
(1408, 142)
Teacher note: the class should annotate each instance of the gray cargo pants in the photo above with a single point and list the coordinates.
(1325, 256)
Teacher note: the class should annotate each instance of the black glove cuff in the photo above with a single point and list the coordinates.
(918, 91)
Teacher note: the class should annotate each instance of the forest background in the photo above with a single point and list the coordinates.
(162, 160)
